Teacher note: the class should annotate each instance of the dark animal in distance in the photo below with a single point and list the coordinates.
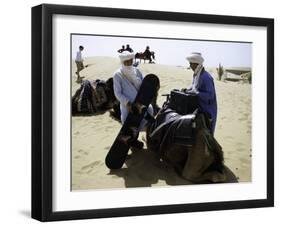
(144, 57)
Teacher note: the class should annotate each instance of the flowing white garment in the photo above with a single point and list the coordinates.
(79, 56)
(130, 73)
(196, 76)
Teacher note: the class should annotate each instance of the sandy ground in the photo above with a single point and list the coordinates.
(92, 136)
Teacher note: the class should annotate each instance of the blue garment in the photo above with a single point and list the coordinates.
(126, 92)
(207, 97)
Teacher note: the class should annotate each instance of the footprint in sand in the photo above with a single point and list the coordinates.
(81, 151)
(228, 137)
(77, 157)
(107, 129)
(242, 117)
(244, 161)
(77, 133)
(89, 171)
(240, 149)
(239, 144)
(79, 172)
(91, 165)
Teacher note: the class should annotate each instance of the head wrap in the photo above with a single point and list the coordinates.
(126, 55)
(195, 58)
(129, 72)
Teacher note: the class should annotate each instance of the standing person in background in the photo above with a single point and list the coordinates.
(79, 63)
(129, 49)
(203, 85)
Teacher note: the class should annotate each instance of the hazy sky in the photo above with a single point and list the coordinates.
(172, 52)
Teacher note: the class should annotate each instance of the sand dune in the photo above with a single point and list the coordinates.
(92, 136)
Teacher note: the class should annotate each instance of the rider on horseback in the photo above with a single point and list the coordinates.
(148, 54)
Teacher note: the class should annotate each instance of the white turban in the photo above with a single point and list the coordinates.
(195, 58)
(126, 55)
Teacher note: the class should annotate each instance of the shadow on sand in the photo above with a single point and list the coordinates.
(89, 114)
(144, 169)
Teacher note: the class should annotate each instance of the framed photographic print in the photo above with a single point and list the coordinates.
(146, 112)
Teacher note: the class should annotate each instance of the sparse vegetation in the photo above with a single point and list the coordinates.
(220, 72)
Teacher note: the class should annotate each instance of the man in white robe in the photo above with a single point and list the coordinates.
(126, 83)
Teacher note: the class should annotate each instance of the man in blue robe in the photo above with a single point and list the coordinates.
(126, 83)
(203, 85)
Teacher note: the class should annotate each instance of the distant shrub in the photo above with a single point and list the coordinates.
(220, 72)
(250, 77)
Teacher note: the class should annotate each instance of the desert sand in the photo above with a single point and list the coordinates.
(92, 136)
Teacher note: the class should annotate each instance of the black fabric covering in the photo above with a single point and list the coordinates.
(185, 142)
(171, 128)
(183, 103)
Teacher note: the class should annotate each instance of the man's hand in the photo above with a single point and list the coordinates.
(192, 92)
(129, 106)
(188, 91)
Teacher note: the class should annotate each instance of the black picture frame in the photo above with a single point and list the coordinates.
(42, 111)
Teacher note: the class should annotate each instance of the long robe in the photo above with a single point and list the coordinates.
(207, 97)
(126, 91)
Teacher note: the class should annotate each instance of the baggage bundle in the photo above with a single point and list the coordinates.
(93, 97)
(183, 103)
